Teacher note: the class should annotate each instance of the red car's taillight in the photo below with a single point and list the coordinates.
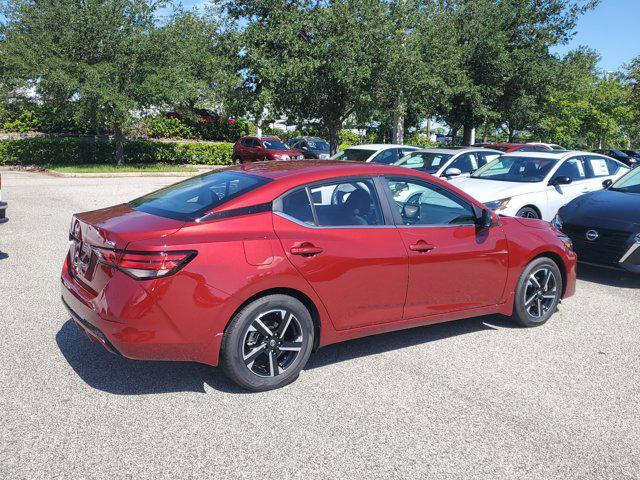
(145, 265)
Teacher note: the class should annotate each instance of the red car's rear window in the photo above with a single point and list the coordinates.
(192, 198)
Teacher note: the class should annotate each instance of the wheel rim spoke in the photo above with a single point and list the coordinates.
(286, 321)
(274, 368)
(253, 354)
(534, 280)
(262, 328)
(531, 299)
(291, 346)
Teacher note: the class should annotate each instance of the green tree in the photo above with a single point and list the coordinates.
(585, 107)
(316, 62)
(503, 56)
(109, 58)
(633, 77)
(418, 55)
(193, 65)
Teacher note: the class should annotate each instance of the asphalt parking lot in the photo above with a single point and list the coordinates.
(476, 398)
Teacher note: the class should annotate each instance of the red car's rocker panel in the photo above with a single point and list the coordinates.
(167, 276)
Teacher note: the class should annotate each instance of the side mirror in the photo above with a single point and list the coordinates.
(560, 181)
(399, 187)
(607, 183)
(482, 217)
(411, 211)
(452, 172)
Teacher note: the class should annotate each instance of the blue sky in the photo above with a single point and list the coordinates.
(612, 29)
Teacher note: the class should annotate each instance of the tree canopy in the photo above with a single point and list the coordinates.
(385, 65)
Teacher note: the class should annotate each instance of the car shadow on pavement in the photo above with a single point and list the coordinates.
(361, 347)
(121, 376)
(608, 276)
(111, 373)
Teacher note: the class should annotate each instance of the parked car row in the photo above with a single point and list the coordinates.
(534, 181)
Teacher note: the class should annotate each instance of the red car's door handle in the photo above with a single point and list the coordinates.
(306, 250)
(421, 246)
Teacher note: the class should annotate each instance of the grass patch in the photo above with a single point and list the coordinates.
(111, 168)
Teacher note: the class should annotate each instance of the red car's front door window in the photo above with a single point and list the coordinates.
(453, 265)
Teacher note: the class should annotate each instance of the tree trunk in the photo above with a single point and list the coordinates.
(334, 138)
(454, 134)
(512, 134)
(397, 129)
(119, 139)
(428, 129)
(468, 135)
(259, 128)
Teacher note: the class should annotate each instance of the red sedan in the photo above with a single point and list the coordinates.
(257, 149)
(518, 147)
(255, 266)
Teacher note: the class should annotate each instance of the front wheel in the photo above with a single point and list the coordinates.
(538, 293)
(528, 212)
(267, 343)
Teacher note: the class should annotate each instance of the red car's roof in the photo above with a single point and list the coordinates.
(287, 175)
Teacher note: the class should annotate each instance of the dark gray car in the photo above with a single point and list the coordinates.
(311, 147)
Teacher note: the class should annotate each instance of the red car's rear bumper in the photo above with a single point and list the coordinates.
(139, 328)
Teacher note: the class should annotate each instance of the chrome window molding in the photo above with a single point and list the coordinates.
(316, 227)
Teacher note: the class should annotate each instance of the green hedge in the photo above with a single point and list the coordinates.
(77, 150)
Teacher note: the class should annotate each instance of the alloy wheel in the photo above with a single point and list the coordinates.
(528, 214)
(272, 343)
(540, 293)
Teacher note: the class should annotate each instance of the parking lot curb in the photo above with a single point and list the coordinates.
(55, 173)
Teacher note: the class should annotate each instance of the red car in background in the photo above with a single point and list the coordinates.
(517, 147)
(255, 266)
(258, 149)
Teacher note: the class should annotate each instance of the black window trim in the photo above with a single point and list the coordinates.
(387, 215)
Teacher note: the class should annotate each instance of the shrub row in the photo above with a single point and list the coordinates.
(160, 126)
(80, 150)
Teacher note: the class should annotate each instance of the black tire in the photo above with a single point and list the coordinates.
(248, 351)
(528, 212)
(236, 160)
(536, 301)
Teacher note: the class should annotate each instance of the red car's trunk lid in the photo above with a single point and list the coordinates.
(113, 228)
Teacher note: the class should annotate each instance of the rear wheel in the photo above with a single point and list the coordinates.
(537, 293)
(267, 343)
(528, 212)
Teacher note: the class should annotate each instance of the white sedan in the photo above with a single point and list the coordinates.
(449, 162)
(375, 153)
(537, 184)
